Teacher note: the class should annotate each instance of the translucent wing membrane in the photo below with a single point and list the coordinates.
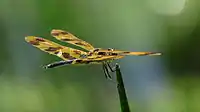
(69, 38)
(138, 53)
(144, 53)
(94, 60)
(97, 60)
(125, 53)
(50, 47)
(103, 58)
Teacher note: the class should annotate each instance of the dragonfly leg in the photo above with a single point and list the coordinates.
(58, 63)
(112, 69)
(106, 71)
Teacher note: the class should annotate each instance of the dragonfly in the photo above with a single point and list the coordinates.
(90, 54)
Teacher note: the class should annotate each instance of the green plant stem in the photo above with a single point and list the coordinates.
(121, 91)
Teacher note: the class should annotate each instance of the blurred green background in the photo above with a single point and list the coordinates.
(167, 83)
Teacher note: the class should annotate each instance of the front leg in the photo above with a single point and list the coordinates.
(112, 69)
(106, 72)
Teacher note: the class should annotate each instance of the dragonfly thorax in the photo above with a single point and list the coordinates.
(99, 51)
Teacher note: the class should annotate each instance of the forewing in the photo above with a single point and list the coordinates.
(69, 38)
(137, 53)
(143, 53)
(50, 47)
(95, 60)
(104, 58)
(124, 53)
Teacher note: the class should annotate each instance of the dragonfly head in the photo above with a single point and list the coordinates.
(110, 49)
(96, 50)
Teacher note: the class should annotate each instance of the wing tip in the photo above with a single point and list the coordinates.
(56, 32)
(28, 38)
(156, 53)
(34, 40)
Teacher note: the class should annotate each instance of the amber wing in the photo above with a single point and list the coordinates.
(138, 53)
(69, 38)
(95, 60)
(50, 47)
(125, 53)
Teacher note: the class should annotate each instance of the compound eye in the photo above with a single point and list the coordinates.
(96, 49)
(110, 49)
